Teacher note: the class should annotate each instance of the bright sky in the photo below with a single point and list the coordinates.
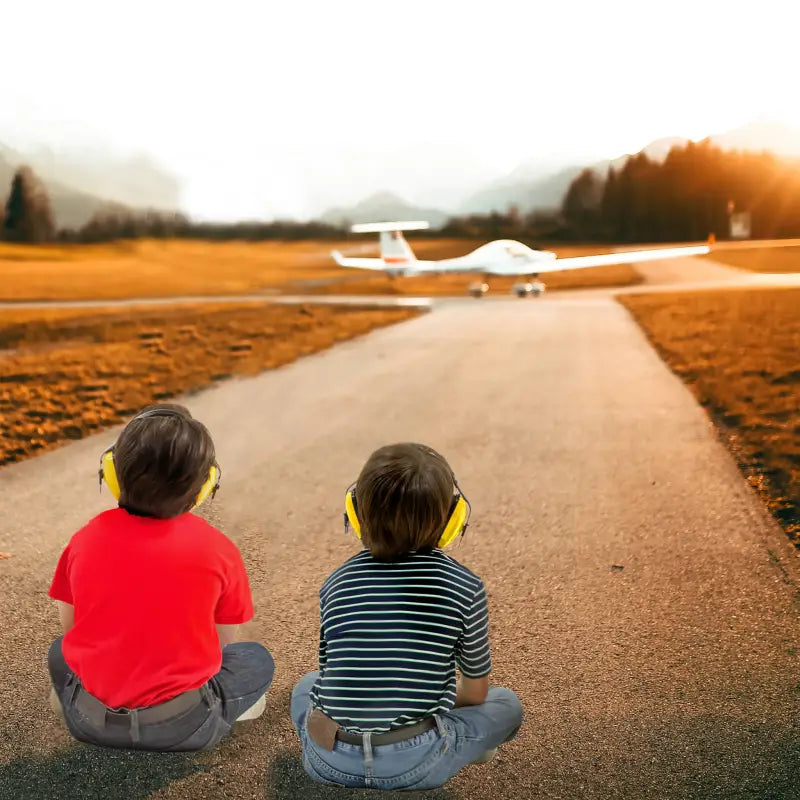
(267, 109)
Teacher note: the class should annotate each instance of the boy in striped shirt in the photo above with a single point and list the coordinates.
(386, 710)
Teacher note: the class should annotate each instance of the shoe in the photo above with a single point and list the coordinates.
(55, 703)
(255, 711)
(486, 757)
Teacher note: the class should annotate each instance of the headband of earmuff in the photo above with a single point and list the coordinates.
(108, 472)
(456, 524)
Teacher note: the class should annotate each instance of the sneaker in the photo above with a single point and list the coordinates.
(486, 757)
(55, 703)
(255, 711)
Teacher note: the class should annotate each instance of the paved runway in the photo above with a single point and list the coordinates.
(643, 604)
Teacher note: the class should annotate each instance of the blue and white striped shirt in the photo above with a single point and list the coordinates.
(392, 635)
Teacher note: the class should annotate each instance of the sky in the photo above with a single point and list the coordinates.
(283, 109)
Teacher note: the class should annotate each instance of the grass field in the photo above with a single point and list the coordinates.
(760, 259)
(738, 351)
(167, 268)
(65, 373)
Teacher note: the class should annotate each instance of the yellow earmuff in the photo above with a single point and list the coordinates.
(456, 525)
(108, 472)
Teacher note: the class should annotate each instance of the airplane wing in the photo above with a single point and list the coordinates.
(519, 266)
(582, 262)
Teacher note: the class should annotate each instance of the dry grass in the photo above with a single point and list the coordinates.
(150, 268)
(760, 259)
(168, 268)
(738, 351)
(67, 373)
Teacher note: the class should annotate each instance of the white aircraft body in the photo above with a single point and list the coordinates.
(500, 257)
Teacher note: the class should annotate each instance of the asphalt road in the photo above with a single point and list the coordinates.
(643, 604)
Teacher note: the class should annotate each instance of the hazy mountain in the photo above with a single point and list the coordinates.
(81, 183)
(383, 207)
(71, 208)
(777, 137)
(131, 180)
(543, 191)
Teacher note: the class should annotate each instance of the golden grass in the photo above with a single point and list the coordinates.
(168, 268)
(760, 259)
(738, 351)
(76, 371)
(156, 268)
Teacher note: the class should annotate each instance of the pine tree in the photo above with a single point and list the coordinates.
(581, 206)
(28, 215)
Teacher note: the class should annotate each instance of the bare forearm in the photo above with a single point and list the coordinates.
(471, 691)
(228, 634)
(66, 615)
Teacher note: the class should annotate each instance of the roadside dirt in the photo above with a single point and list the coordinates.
(738, 352)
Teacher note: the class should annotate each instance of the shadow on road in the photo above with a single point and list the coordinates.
(89, 773)
(287, 780)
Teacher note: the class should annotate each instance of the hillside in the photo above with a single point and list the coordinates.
(383, 207)
(71, 208)
(79, 186)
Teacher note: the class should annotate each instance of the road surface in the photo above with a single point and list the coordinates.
(643, 604)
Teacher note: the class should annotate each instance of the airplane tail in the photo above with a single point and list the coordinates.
(395, 250)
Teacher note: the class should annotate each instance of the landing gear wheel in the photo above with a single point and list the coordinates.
(478, 289)
(527, 288)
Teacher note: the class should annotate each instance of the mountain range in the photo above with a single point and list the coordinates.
(383, 205)
(81, 182)
(531, 187)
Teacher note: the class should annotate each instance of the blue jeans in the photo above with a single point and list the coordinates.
(425, 761)
(245, 675)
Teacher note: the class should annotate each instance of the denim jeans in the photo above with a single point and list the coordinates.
(425, 761)
(245, 675)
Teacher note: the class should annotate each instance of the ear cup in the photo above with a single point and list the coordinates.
(210, 486)
(108, 473)
(456, 521)
(351, 512)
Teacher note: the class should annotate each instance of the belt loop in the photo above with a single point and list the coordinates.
(368, 758)
(440, 726)
(134, 718)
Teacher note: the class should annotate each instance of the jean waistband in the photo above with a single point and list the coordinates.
(390, 737)
(101, 714)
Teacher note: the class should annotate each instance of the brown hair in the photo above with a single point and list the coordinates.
(403, 496)
(161, 461)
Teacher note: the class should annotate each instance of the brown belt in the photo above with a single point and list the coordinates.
(101, 715)
(390, 737)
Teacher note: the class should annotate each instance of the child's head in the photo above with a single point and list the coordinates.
(404, 494)
(162, 460)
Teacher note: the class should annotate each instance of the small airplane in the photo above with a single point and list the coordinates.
(500, 257)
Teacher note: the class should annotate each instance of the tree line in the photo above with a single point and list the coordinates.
(685, 197)
(29, 218)
(688, 196)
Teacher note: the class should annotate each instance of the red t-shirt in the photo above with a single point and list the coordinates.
(147, 594)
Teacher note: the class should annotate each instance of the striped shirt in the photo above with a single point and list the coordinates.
(392, 635)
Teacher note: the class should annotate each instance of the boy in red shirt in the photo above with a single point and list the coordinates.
(151, 598)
